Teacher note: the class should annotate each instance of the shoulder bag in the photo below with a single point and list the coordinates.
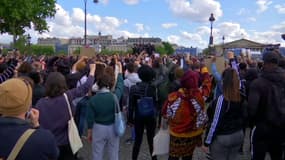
(20, 143)
(73, 135)
(120, 125)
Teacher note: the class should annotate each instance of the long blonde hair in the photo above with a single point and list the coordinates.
(231, 85)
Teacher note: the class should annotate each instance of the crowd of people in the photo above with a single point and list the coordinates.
(201, 106)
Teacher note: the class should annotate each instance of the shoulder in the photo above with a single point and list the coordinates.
(258, 82)
(42, 135)
(40, 138)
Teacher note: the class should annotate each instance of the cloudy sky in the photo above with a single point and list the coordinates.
(184, 22)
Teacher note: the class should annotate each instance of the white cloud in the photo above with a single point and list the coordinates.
(242, 11)
(104, 1)
(62, 16)
(279, 27)
(280, 8)
(197, 10)
(174, 39)
(193, 38)
(169, 25)
(74, 27)
(268, 37)
(140, 27)
(203, 30)
(251, 19)
(263, 5)
(131, 2)
(231, 30)
(4, 38)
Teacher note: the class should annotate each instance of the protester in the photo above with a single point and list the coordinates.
(7, 71)
(265, 97)
(138, 91)
(16, 100)
(185, 111)
(225, 134)
(54, 109)
(131, 78)
(101, 115)
(38, 89)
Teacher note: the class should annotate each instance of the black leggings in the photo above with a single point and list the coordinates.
(66, 153)
(150, 124)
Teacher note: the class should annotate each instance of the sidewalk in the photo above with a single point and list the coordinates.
(126, 150)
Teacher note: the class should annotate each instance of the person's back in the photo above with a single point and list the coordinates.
(16, 99)
(266, 135)
(40, 145)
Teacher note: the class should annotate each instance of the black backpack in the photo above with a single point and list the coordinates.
(275, 111)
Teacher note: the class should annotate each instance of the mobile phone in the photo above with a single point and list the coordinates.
(28, 114)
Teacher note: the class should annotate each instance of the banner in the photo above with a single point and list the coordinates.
(87, 51)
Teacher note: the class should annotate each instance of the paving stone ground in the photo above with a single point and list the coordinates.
(126, 150)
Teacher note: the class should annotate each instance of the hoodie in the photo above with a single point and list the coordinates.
(131, 79)
(259, 92)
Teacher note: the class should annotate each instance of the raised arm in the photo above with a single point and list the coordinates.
(9, 72)
(84, 88)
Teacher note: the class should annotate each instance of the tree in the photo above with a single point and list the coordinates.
(168, 48)
(165, 48)
(42, 50)
(21, 44)
(17, 15)
(160, 49)
(206, 51)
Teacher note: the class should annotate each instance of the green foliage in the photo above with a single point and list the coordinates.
(160, 49)
(168, 48)
(42, 50)
(165, 48)
(77, 51)
(16, 15)
(61, 52)
(206, 51)
(21, 44)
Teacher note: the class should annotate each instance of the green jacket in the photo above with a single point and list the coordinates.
(101, 108)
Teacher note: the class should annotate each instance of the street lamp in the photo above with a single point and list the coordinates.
(211, 19)
(223, 45)
(29, 42)
(85, 20)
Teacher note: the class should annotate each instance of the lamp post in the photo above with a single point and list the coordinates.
(29, 42)
(85, 20)
(223, 45)
(211, 19)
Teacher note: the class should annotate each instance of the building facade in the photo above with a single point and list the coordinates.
(192, 51)
(242, 46)
(140, 40)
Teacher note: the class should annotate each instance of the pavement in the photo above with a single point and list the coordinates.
(125, 151)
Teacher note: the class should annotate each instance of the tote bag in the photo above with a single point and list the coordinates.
(73, 135)
(161, 140)
(120, 125)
